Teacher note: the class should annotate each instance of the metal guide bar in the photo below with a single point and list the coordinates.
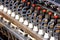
(27, 30)
(54, 2)
(11, 31)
